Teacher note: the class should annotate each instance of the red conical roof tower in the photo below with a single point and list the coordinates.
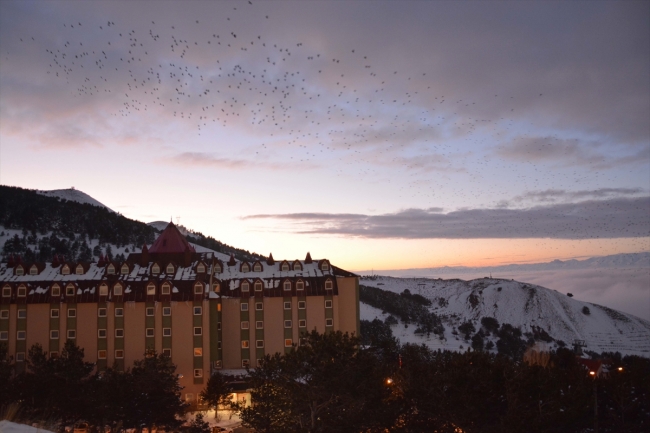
(171, 241)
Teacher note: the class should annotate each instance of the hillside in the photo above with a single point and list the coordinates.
(72, 194)
(534, 309)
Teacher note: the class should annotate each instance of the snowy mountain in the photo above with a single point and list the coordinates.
(72, 194)
(522, 305)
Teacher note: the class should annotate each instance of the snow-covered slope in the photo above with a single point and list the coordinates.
(72, 194)
(522, 305)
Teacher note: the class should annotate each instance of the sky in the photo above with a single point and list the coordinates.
(378, 134)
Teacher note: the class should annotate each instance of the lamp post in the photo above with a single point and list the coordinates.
(593, 375)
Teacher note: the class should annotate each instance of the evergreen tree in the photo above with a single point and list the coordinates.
(218, 390)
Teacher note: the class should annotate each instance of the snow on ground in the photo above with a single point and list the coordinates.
(72, 194)
(12, 427)
(520, 304)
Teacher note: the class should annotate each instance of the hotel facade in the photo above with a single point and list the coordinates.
(205, 310)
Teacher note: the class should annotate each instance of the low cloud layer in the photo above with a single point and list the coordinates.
(613, 218)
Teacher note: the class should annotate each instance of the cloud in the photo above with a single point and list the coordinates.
(611, 218)
(205, 159)
(555, 195)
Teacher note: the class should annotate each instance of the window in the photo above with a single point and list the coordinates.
(79, 270)
(155, 269)
(245, 363)
(200, 268)
(65, 270)
(329, 322)
(258, 286)
(167, 353)
(259, 306)
(297, 266)
(72, 334)
(33, 270)
(110, 269)
(217, 364)
(328, 285)
(244, 306)
(284, 267)
(219, 306)
(257, 267)
(119, 312)
(167, 311)
(20, 335)
(101, 333)
(198, 330)
(103, 289)
(198, 311)
(259, 324)
(4, 314)
(22, 291)
(6, 291)
(165, 289)
(20, 357)
(198, 351)
(54, 334)
(287, 323)
(217, 268)
(101, 354)
(149, 311)
(117, 289)
(54, 314)
(101, 312)
(69, 290)
(219, 345)
(22, 314)
(119, 333)
(328, 304)
(245, 267)
(198, 288)
(167, 332)
(149, 332)
(54, 355)
(324, 266)
(124, 269)
(244, 286)
(218, 326)
(288, 342)
(4, 335)
(170, 269)
(300, 285)
(244, 325)
(119, 354)
(245, 344)
(287, 305)
(151, 289)
(287, 285)
(259, 362)
(301, 305)
(302, 323)
(189, 397)
(56, 290)
(216, 288)
(259, 344)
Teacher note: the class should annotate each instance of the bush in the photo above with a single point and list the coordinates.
(585, 310)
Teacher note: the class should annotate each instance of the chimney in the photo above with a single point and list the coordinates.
(232, 261)
(11, 263)
(308, 259)
(187, 255)
(270, 260)
(55, 261)
(144, 257)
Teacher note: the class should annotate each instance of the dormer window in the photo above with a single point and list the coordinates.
(103, 289)
(284, 267)
(287, 285)
(69, 290)
(79, 270)
(257, 267)
(6, 292)
(110, 269)
(117, 289)
(65, 270)
(124, 269)
(244, 286)
(300, 285)
(22, 291)
(155, 269)
(33, 270)
(258, 286)
(217, 268)
(297, 266)
(20, 270)
(198, 288)
(324, 266)
(151, 289)
(170, 269)
(200, 268)
(329, 285)
(56, 290)
(165, 289)
(245, 267)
